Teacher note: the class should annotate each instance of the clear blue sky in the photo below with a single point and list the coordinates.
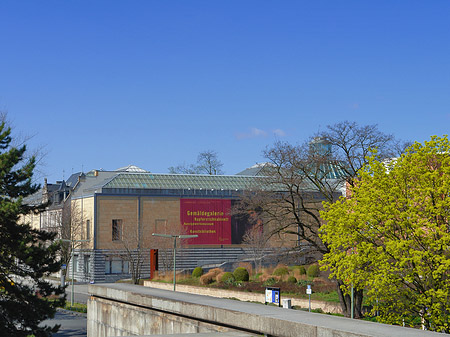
(104, 84)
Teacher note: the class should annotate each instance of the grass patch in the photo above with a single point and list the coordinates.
(331, 296)
(78, 307)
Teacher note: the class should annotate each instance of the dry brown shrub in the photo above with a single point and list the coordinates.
(207, 278)
(215, 271)
(297, 274)
(162, 276)
(219, 276)
(265, 275)
(268, 270)
(302, 277)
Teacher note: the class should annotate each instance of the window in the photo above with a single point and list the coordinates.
(117, 229)
(75, 263)
(88, 229)
(116, 266)
(86, 265)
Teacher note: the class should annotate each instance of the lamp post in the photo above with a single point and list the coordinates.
(175, 237)
(73, 269)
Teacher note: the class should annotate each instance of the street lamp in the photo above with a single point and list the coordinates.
(73, 269)
(175, 249)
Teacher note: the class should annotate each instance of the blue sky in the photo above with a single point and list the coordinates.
(104, 84)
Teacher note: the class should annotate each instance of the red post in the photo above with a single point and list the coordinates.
(153, 262)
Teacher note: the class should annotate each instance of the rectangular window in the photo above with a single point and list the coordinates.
(116, 266)
(75, 263)
(117, 229)
(125, 267)
(88, 229)
(86, 264)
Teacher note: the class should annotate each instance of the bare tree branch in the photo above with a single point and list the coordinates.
(207, 163)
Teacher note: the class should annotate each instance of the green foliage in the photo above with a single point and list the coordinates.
(303, 283)
(292, 279)
(270, 282)
(301, 269)
(197, 272)
(78, 307)
(241, 274)
(24, 252)
(327, 296)
(281, 271)
(227, 277)
(313, 270)
(392, 236)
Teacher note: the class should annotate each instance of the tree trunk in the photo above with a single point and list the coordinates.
(345, 300)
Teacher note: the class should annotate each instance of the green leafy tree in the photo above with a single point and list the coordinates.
(392, 236)
(26, 255)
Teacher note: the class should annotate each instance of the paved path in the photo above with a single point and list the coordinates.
(72, 324)
(80, 292)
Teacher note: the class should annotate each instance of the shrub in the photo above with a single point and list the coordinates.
(301, 270)
(215, 271)
(280, 271)
(247, 266)
(226, 277)
(241, 274)
(292, 279)
(208, 278)
(313, 270)
(197, 272)
(303, 283)
(270, 282)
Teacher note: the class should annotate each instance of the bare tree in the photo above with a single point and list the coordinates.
(289, 198)
(257, 240)
(134, 253)
(165, 245)
(351, 144)
(207, 163)
(70, 230)
(184, 169)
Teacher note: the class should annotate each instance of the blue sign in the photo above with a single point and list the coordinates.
(273, 295)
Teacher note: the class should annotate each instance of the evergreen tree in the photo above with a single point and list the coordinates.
(26, 254)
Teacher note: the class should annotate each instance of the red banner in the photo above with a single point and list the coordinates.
(210, 219)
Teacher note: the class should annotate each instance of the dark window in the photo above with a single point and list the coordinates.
(116, 266)
(117, 229)
(88, 229)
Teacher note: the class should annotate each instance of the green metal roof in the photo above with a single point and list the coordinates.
(181, 181)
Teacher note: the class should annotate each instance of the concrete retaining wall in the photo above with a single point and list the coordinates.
(110, 318)
(244, 296)
(125, 309)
